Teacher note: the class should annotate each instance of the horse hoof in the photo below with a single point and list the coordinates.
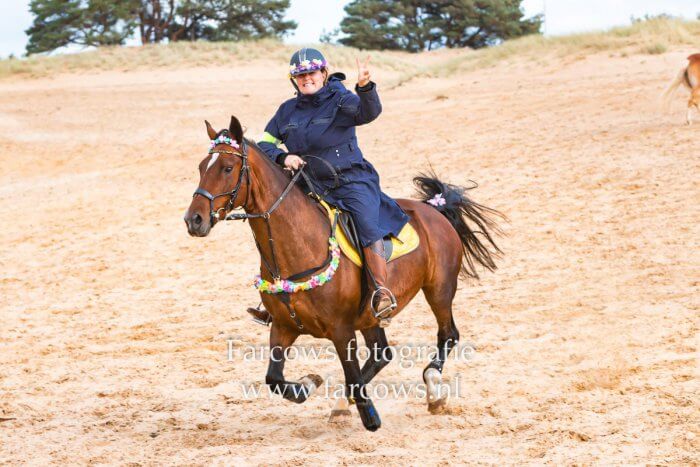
(341, 411)
(311, 382)
(368, 414)
(438, 406)
(339, 416)
(433, 381)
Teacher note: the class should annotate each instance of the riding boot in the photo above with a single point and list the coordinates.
(260, 315)
(383, 301)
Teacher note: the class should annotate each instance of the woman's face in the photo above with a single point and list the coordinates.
(309, 83)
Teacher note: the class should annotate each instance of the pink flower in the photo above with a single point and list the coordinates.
(437, 200)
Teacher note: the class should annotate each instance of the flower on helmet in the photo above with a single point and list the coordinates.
(305, 64)
(437, 200)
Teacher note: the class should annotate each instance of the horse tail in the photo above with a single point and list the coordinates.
(478, 244)
(677, 81)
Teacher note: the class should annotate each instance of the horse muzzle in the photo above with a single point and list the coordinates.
(197, 225)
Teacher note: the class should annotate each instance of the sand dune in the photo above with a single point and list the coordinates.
(115, 322)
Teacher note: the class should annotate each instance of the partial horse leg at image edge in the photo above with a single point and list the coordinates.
(689, 76)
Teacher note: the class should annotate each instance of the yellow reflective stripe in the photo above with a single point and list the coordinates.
(268, 138)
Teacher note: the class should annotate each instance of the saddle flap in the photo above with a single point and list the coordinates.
(349, 242)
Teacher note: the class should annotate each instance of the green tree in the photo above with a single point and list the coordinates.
(248, 19)
(416, 25)
(58, 23)
(155, 17)
(212, 20)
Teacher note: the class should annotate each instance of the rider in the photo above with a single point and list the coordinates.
(320, 121)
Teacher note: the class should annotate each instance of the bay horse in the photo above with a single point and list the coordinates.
(292, 234)
(690, 77)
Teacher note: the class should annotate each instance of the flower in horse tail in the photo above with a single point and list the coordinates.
(317, 280)
(437, 200)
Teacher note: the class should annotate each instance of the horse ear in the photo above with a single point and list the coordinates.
(235, 129)
(210, 130)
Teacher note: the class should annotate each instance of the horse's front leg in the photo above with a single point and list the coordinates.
(280, 340)
(345, 342)
(380, 352)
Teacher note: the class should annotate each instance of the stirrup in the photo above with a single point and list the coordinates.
(381, 314)
(254, 313)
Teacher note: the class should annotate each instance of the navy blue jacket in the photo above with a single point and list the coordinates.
(323, 125)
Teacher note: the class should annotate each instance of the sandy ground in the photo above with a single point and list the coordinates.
(116, 323)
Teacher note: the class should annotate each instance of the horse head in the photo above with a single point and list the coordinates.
(224, 179)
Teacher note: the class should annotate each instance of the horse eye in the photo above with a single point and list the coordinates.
(228, 170)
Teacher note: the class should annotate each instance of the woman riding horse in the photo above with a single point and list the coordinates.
(320, 122)
(453, 230)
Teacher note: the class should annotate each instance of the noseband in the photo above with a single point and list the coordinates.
(233, 194)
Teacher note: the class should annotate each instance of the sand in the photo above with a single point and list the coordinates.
(116, 324)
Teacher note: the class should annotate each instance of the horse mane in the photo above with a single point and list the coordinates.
(276, 168)
(253, 144)
(269, 161)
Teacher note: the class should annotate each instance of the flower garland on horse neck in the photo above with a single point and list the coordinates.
(317, 280)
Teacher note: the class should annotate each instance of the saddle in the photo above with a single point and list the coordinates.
(346, 235)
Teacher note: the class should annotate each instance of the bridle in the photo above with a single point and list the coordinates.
(233, 194)
(245, 172)
(273, 268)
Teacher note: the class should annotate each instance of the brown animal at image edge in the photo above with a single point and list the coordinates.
(690, 77)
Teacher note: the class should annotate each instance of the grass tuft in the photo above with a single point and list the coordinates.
(653, 36)
(650, 37)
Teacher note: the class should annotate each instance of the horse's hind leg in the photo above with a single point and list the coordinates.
(440, 297)
(380, 354)
(345, 342)
(280, 340)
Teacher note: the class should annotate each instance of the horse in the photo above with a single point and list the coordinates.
(292, 234)
(690, 77)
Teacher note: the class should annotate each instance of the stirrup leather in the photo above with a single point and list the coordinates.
(381, 314)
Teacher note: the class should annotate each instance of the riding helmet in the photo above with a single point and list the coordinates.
(306, 60)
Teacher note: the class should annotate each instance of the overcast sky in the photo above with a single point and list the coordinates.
(313, 16)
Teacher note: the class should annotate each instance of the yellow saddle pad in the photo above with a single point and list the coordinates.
(407, 241)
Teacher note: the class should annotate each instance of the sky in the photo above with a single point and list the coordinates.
(313, 16)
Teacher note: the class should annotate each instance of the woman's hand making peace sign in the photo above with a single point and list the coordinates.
(363, 75)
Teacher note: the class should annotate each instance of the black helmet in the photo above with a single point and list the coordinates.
(306, 60)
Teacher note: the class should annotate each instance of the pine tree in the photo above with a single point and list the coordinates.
(58, 23)
(416, 25)
(230, 20)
